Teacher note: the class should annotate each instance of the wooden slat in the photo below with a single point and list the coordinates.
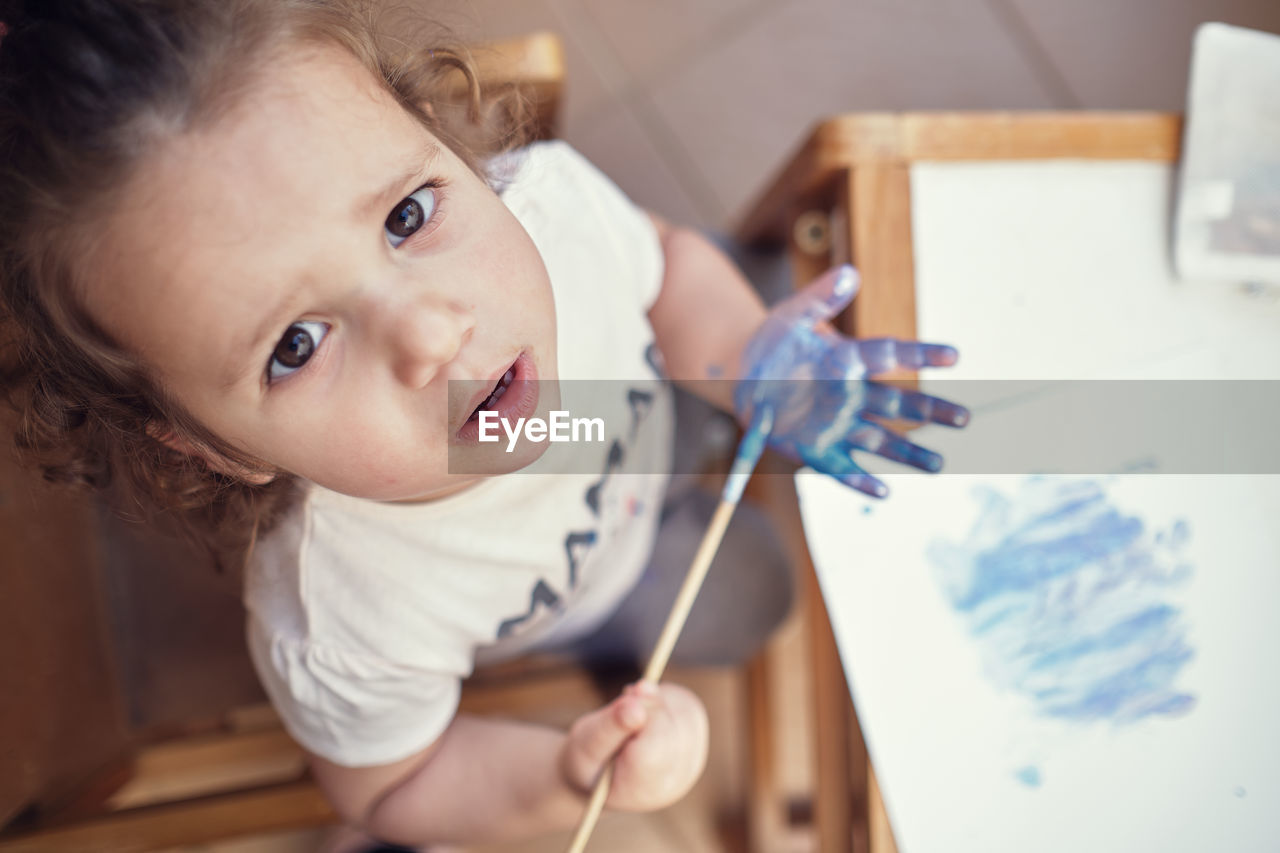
(876, 209)
(89, 795)
(251, 718)
(200, 766)
(207, 787)
(835, 794)
(805, 182)
(534, 64)
(835, 791)
(299, 804)
(862, 139)
(765, 800)
(878, 200)
(61, 709)
(535, 59)
(832, 787)
(1040, 136)
(873, 218)
(529, 684)
(881, 831)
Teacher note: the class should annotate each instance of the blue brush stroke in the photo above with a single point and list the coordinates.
(1064, 594)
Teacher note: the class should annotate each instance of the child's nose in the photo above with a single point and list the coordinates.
(425, 335)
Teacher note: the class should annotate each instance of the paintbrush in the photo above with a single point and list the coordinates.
(744, 462)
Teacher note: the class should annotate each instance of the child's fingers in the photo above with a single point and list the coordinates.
(662, 761)
(828, 294)
(881, 355)
(596, 737)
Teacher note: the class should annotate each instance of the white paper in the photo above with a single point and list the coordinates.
(969, 762)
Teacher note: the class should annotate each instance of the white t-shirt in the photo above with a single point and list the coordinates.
(365, 616)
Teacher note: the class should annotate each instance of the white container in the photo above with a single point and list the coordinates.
(1228, 218)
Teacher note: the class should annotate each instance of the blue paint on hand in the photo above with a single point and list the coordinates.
(816, 383)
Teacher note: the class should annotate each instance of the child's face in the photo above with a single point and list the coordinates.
(253, 266)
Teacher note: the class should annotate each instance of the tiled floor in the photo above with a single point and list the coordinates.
(691, 105)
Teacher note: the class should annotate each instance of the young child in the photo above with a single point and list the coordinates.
(262, 272)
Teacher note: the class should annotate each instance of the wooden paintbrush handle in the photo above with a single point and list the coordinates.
(661, 653)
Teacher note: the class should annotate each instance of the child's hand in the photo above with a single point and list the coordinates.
(813, 381)
(659, 734)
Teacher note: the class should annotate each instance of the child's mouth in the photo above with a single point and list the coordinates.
(498, 390)
(513, 397)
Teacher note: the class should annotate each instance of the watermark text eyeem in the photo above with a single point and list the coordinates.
(560, 427)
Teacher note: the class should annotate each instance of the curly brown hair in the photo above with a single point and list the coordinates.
(87, 89)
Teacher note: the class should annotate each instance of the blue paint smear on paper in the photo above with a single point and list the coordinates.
(1029, 776)
(1065, 595)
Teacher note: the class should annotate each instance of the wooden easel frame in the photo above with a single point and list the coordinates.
(845, 196)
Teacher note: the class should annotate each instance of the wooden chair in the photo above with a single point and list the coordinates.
(159, 735)
(845, 196)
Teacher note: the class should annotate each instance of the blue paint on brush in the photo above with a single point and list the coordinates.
(1065, 595)
(750, 448)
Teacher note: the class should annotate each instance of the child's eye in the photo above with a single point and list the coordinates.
(295, 348)
(410, 215)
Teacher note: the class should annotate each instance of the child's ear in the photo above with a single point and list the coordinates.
(215, 461)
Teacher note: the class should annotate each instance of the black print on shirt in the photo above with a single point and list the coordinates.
(653, 358)
(592, 497)
(640, 402)
(542, 594)
(576, 546)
